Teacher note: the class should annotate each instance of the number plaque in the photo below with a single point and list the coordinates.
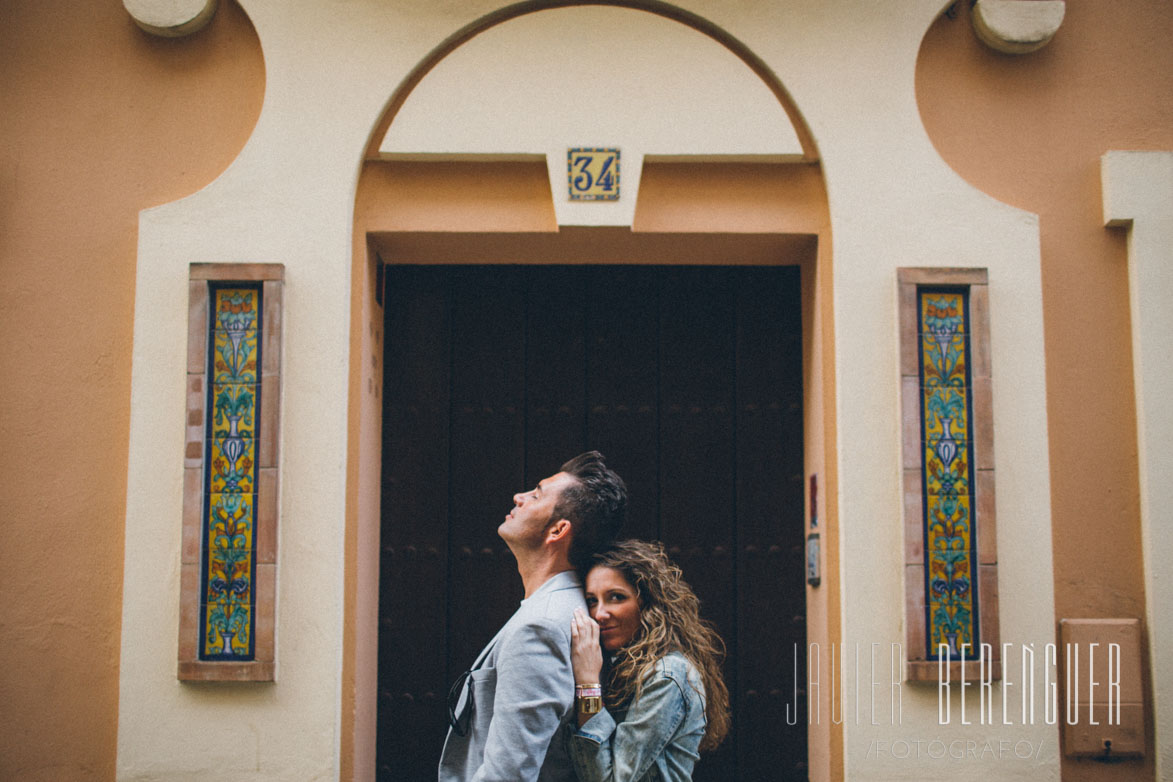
(592, 174)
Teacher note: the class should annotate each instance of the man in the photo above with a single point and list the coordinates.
(506, 711)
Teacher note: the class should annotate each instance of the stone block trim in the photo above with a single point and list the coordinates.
(950, 544)
(231, 479)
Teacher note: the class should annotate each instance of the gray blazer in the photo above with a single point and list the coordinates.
(521, 693)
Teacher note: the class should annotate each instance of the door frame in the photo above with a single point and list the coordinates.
(689, 198)
(374, 246)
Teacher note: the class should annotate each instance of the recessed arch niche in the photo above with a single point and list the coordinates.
(468, 166)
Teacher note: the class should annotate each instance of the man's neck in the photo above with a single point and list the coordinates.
(534, 573)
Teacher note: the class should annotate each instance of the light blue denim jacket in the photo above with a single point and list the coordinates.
(658, 737)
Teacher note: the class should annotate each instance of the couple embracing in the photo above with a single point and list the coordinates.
(615, 679)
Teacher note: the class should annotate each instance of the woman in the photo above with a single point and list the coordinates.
(660, 700)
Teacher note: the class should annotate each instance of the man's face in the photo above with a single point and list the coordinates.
(533, 511)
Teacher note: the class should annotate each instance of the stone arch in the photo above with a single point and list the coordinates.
(516, 10)
(438, 208)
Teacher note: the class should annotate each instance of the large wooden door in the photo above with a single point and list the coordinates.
(688, 379)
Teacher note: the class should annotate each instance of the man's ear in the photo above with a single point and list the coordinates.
(559, 531)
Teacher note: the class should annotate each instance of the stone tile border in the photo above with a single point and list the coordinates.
(262, 667)
(918, 666)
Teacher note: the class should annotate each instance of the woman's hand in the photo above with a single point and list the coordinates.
(586, 655)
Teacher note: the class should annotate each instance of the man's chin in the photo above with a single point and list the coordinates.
(505, 533)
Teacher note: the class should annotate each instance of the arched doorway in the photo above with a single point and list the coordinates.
(683, 351)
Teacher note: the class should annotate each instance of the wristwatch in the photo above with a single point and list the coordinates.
(588, 698)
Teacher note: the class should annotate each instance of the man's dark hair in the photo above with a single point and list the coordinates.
(596, 506)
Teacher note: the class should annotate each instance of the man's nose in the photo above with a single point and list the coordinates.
(517, 498)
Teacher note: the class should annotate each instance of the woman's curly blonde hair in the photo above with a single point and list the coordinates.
(669, 621)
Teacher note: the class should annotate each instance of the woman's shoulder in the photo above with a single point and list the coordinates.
(675, 673)
(676, 666)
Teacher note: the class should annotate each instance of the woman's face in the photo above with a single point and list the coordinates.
(614, 604)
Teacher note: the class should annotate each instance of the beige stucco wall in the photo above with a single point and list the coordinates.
(585, 76)
(288, 197)
(1138, 195)
(99, 121)
(1031, 131)
(102, 121)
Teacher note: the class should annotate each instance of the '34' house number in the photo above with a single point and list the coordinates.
(593, 174)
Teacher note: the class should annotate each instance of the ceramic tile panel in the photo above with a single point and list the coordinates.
(945, 415)
(229, 568)
(947, 429)
(222, 624)
(233, 465)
